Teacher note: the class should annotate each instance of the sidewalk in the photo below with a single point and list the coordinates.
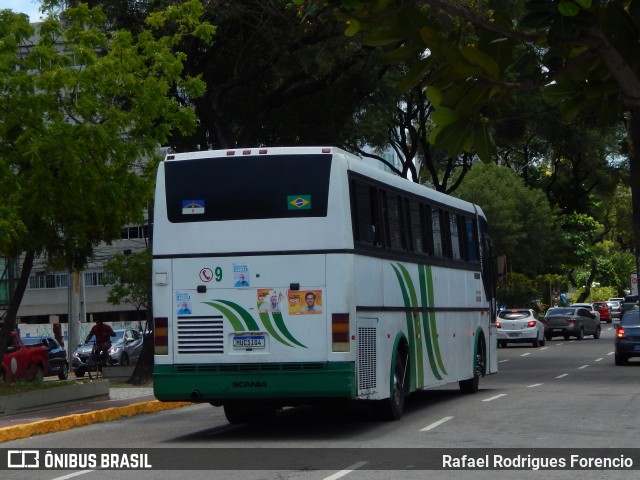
(122, 402)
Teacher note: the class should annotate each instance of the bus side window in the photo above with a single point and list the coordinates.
(365, 211)
(472, 240)
(436, 230)
(394, 221)
(414, 226)
(454, 234)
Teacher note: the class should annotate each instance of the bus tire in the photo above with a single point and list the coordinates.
(472, 384)
(393, 407)
(245, 412)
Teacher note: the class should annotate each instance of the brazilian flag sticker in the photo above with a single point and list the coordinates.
(299, 202)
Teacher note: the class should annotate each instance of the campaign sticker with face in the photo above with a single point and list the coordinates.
(305, 302)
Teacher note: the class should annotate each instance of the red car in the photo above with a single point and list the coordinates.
(22, 362)
(603, 309)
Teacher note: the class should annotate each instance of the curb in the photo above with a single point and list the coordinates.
(81, 419)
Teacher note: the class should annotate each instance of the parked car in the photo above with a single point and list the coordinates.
(615, 307)
(589, 307)
(603, 309)
(125, 349)
(519, 326)
(570, 322)
(58, 363)
(627, 340)
(23, 362)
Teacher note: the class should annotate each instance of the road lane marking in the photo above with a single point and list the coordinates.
(563, 375)
(525, 354)
(544, 348)
(599, 359)
(535, 385)
(75, 474)
(583, 366)
(344, 472)
(502, 361)
(494, 397)
(611, 353)
(435, 424)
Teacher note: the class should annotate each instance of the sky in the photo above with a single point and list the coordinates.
(30, 7)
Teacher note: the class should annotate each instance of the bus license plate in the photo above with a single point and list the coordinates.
(244, 342)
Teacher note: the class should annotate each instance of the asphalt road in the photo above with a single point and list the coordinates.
(566, 395)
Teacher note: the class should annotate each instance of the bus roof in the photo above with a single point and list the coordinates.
(354, 163)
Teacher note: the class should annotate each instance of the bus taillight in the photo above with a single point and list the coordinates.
(161, 336)
(340, 332)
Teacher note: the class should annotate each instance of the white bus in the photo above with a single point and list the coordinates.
(297, 275)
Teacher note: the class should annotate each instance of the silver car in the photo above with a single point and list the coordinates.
(125, 349)
(571, 322)
(588, 306)
(519, 326)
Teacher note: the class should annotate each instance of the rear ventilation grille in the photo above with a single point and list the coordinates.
(200, 335)
(366, 358)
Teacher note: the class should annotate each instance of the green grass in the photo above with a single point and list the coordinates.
(24, 386)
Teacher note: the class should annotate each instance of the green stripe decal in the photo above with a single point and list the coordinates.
(411, 333)
(277, 316)
(428, 334)
(414, 318)
(235, 322)
(246, 316)
(426, 287)
(236, 314)
(427, 324)
(266, 321)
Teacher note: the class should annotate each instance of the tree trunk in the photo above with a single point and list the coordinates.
(634, 164)
(15, 301)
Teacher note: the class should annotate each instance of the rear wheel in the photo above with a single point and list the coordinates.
(79, 372)
(580, 334)
(536, 343)
(621, 359)
(63, 374)
(543, 342)
(548, 336)
(38, 375)
(472, 384)
(92, 367)
(597, 334)
(393, 407)
(124, 359)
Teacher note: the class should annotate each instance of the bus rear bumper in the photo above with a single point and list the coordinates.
(222, 382)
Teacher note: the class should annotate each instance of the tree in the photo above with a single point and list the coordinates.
(583, 53)
(81, 112)
(523, 224)
(130, 282)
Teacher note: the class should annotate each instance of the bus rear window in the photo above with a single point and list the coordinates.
(243, 188)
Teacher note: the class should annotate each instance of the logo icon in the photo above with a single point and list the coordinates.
(23, 459)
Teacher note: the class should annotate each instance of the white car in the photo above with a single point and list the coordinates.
(588, 306)
(519, 326)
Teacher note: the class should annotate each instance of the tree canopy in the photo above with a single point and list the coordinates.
(83, 115)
